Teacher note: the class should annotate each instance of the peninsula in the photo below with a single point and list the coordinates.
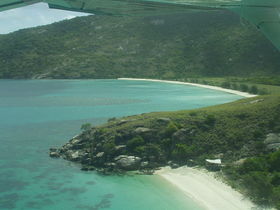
(241, 133)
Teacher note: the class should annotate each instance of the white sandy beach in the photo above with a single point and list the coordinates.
(205, 189)
(236, 92)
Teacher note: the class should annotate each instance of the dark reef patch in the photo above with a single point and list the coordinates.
(73, 190)
(38, 204)
(5, 174)
(91, 183)
(54, 185)
(8, 201)
(107, 196)
(8, 185)
(104, 203)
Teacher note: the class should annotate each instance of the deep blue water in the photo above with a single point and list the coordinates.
(39, 114)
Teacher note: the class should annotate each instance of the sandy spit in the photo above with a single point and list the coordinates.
(236, 92)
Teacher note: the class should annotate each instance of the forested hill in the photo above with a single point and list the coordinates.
(173, 46)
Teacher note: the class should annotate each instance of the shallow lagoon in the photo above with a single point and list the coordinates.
(39, 114)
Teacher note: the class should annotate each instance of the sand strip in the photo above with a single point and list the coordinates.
(236, 92)
(201, 186)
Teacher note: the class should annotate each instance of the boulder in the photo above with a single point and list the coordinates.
(272, 141)
(66, 147)
(75, 141)
(163, 120)
(75, 156)
(140, 130)
(180, 135)
(128, 162)
(120, 157)
(173, 165)
(120, 147)
(239, 162)
(275, 146)
(111, 165)
(53, 149)
(54, 154)
(219, 156)
(99, 154)
(272, 138)
(144, 164)
(147, 171)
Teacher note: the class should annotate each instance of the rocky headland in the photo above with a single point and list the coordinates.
(149, 141)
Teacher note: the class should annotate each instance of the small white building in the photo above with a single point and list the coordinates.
(213, 164)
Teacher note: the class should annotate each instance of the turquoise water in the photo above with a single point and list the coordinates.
(39, 114)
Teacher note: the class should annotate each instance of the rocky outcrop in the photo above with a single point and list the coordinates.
(172, 164)
(100, 158)
(272, 141)
(182, 135)
(128, 162)
(54, 153)
(146, 142)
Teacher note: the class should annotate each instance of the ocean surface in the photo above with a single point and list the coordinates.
(39, 114)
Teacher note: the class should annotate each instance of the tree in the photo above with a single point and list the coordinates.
(254, 89)
(135, 142)
(226, 84)
(274, 160)
(86, 127)
(170, 129)
(260, 189)
(253, 164)
(244, 87)
(210, 119)
(182, 152)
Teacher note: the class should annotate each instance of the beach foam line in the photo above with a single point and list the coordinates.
(202, 187)
(236, 92)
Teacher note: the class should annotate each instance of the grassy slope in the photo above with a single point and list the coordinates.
(232, 125)
(172, 46)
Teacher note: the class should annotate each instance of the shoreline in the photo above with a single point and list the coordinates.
(204, 189)
(199, 184)
(236, 92)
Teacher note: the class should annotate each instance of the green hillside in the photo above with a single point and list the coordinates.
(173, 46)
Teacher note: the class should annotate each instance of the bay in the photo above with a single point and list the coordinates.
(39, 114)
